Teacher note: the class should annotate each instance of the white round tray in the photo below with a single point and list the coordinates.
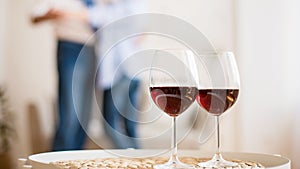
(42, 160)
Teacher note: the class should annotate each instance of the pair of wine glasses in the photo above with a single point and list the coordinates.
(180, 77)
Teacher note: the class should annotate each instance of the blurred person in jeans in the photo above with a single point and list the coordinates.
(72, 31)
(120, 91)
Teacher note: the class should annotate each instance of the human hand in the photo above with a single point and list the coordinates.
(52, 14)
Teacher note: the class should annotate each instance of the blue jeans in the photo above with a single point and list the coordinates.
(120, 113)
(70, 135)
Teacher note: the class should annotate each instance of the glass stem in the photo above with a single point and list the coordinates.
(218, 136)
(174, 142)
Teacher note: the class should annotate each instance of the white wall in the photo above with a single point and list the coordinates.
(260, 41)
(292, 80)
(268, 41)
(3, 31)
(30, 70)
(211, 17)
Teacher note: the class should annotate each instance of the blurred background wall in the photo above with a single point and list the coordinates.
(3, 29)
(264, 34)
(27, 70)
(267, 45)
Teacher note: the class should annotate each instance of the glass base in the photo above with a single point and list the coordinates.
(218, 162)
(173, 164)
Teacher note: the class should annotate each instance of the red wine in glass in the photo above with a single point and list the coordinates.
(217, 101)
(173, 88)
(173, 100)
(218, 91)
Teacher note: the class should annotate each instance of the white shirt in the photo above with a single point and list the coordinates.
(69, 28)
(111, 67)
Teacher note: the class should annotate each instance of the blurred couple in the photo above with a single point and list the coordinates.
(75, 21)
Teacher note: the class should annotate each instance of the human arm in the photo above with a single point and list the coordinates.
(49, 10)
(51, 14)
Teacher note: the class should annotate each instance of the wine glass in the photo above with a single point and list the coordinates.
(173, 89)
(218, 90)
